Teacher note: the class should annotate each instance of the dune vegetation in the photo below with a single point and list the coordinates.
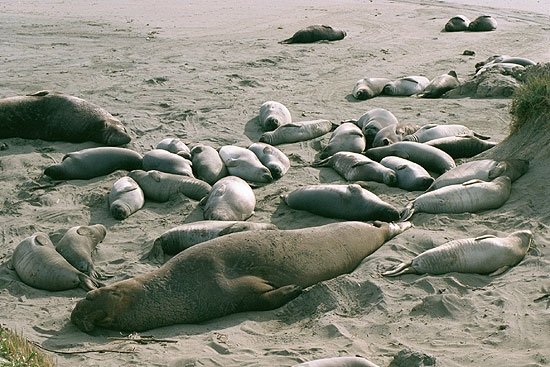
(16, 351)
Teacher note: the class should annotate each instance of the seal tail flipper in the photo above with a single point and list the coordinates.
(321, 163)
(407, 213)
(287, 41)
(499, 271)
(403, 268)
(156, 255)
(88, 283)
(482, 137)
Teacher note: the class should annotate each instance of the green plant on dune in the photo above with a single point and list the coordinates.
(16, 351)
(532, 98)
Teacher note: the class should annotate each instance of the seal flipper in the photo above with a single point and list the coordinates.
(407, 213)
(403, 268)
(257, 294)
(279, 296)
(40, 93)
(321, 163)
(234, 228)
(89, 284)
(499, 271)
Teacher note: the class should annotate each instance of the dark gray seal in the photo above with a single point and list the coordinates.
(461, 146)
(315, 33)
(457, 23)
(483, 23)
(165, 161)
(410, 176)
(406, 86)
(207, 163)
(440, 85)
(161, 186)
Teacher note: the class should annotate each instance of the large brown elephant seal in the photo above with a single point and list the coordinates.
(165, 161)
(231, 198)
(457, 23)
(297, 131)
(176, 146)
(249, 271)
(345, 138)
(161, 186)
(338, 362)
(410, 176)
(77, 245)
(483, 255)
(58, 117)
(315, 33)
(440, 85)
(39, 265)
(125, 198)
(406, 86)
(243, 163)
(94, 162)
(272, 115)
(483, 23)
(207, 164)
(276, 161)
(368, 88)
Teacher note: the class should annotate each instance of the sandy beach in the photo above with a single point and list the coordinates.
(199, 71)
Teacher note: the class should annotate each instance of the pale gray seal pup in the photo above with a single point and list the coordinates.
(207, 163)
(457, 23)
(470, 197)
(38, 264)
(368, 88)
(165, 161)
(463, 146)
(410, 176)
(125, 198)
(435, 131)
(483, 23)
(350, 202)
(482, 255)
(392, 134)
(231, 198)
(272, 115)
(315, 33)
(176, 146)
(243, 163)
(345, 138)
(59, 117)
(440, 85)
(94, 162)
(161, 186)
(338, 362)
(248, 271)
(495, 59)
(357, 167)
(406, 86)
(297, 131)
(77, 245)
(374, 120)
(276, 161)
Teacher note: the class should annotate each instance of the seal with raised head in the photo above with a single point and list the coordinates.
(462, 146)
(243, 163)
(231, 198)
(440, 85)
(272, 115)
(483, 23)
(59, 117)
(410, 176)
(368, 88)
(315, 33)
(435, 131)
(276, 161)
(482, 255)
(94, 162)
(207, 163)
(165, 161)
(457, 23)
(161, 186)
(176, 146)
(125, 198)
(249, 271)
(297, 131)
(406, 86)
(345, 138)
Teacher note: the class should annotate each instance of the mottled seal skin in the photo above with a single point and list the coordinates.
(482, 255)
(39, 265)
(125, 198)
(94, 162)
(315, 33)
(440, 85)
(457, 24)
(483, 23)
(207, 163)
(410, 176)
(161, 186)
(297, 131)
(483, 169)
(164, 161)
(346, 138)
(470, 197)
(276, 161)
(231, 198)
(368, 88)
(435, 131)
(357, 167)
(77, 245)
(249, 271)
(406, 86)
(243, 163)
(176, 146)
(338, 362)
(58, 117)
(461, 146)
(350, 202)
(272, 115)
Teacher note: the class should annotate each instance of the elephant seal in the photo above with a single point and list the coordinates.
(59, 117)
(161, 186)
(176, 146)
(346, 138)
(357, 167)
(483, 23)
(457, 23)
(231, 198)
(462, 146)
(338, 362)
(470, 197)
(276, 161)
(38, 265)
(350, 202)
(207, 164)
(373, 121)
(406, 86)
(393, 133)
(249, 271)
(272, 115)
(435, 131)
(180, 238)
(125, 198)
(315, 33)
(77, 245)
(410, 176)
(482, 255)
(484, 169)
(430, 158)
(440, 85)
(243, 163)
(164, 161)
(297, 131)
(368, 88)
(94, 162)
(506, 59)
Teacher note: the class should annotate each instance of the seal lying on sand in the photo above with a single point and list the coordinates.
(297, 131)
(162, 186)
(315, 33)
(440, 85)
(243, 163)
(207, 164)
(346, 138)
(367, 88)
(176, 146)
(338, 362)
(462, 146)
(272, 115)
(125, 198)
(457, 23)
(483, 23)
(165, 161)
(250, 271)
(410, 176)
(406, 86)
(231, 198)
(276, 161)
(58, 117)
(435, 131)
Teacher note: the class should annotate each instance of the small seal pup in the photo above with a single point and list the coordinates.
(440, 85)
(345, 138)
(297, 131)
(231, 198)
(165, 161)
(77, 245)
(207, 164)
(457, 23)
(125, 198)
(176, 146)
(272, 115)
(483, 23)
(161, 186)
(482, 255)
(338, 362)
(368, 88)
(315, 33)
(243, 163)
(410, 176)
(248, 271)
(59, 117)
(39, 265)
(406, 86)
(462, 146)
(276, 161)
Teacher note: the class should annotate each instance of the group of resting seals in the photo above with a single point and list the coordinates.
(483, 23)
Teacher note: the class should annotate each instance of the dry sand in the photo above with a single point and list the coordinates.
(199, 71)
